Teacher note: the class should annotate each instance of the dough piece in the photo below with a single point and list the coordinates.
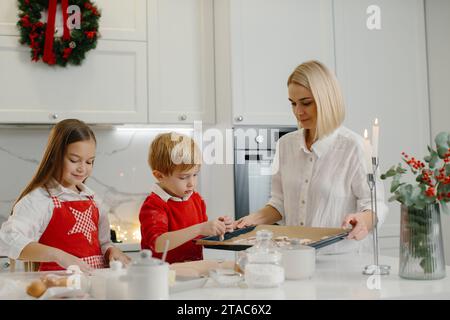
(54, 281)
(305, 241)
(199, 268)
(282, 238)
(282, 241)
(246, 241)
(36, 288)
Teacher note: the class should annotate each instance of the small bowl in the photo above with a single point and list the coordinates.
(226, 277)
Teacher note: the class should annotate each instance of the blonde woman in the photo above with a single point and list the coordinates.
(320, 176)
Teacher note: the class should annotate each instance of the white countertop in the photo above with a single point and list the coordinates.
(336, 277)
(129, 247)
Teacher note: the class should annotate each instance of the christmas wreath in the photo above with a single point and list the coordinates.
(79, 36)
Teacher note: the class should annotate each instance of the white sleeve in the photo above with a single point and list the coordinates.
(276, 194)
(361, 191)
(27, 223)
(104, 231)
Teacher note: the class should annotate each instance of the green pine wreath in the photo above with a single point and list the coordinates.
(73, 51)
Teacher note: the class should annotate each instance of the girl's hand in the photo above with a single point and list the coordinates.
(212, 228)
(114, 253)
(361, 222)
(243, 222)
(228, 223)
(66, 260)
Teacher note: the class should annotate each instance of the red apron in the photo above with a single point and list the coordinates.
(73, 228)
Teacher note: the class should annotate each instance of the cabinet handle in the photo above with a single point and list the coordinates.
(183, 117)
(54, 116)
(239, 118)
(5, 265)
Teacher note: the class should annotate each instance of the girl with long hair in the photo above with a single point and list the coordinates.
(55, 220)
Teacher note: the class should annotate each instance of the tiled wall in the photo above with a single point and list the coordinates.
(121, 176)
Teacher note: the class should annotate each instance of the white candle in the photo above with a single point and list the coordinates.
(375, 135)
(367, 152)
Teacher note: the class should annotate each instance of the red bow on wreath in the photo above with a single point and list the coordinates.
(49, 55)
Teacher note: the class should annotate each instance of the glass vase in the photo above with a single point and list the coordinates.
(421, 245)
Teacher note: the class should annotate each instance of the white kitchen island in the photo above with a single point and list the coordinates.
(336, 277)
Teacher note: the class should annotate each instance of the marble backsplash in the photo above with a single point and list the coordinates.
(121, 176)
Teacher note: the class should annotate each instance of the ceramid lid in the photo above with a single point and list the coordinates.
(146, 260)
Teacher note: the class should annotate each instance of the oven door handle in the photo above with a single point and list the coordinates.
(253, 157)
(257, 158)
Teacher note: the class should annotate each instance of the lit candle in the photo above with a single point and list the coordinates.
(367, 152)
(375, 134)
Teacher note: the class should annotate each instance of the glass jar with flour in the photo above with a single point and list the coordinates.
(263, 268)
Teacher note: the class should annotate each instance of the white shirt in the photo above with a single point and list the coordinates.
(319, 188)
(32, 214)
(160, 192)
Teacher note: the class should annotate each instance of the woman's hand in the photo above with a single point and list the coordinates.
(213, 228)
(243, 222)
(114, 253)
(66, 260)
(361, 222)
(266, 215)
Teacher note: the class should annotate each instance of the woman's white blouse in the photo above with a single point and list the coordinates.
(318, 188)
(32, 214)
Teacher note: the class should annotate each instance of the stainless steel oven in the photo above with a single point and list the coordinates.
(254, 150)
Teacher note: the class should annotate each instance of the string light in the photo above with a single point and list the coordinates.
(123, 233)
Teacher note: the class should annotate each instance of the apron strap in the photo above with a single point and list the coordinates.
(56, 202)
(91, 198)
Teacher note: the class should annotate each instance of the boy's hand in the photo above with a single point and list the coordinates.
(228, 223)
(212, 228)
(114, 253)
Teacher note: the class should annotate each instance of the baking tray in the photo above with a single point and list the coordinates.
(321, 237)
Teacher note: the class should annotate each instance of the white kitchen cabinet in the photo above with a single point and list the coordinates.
(120, 20)
(154, 63)
(181, 61)
(268, 40)
(110, 86)
(123, 20)
(8, 18)
(383, 74)
(438, 45)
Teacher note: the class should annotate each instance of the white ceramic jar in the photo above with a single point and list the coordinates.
(147, 278)
(115, 288)
(106, 283)
(299, 261)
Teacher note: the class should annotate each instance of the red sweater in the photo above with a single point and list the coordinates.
(158, 217)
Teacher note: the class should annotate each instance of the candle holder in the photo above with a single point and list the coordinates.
(374, 268)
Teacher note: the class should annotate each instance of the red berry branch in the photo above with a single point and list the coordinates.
(432, 176)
